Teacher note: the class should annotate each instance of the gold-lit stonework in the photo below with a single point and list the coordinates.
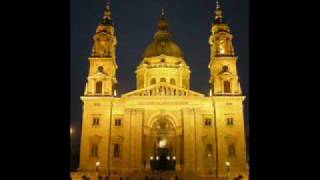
(162, 129)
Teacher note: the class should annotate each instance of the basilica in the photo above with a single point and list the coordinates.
(163, 129)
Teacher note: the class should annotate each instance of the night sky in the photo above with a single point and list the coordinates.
(135, 24)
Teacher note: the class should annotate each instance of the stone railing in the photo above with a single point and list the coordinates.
(163, 89)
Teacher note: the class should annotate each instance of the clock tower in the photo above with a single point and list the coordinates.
(227, 100)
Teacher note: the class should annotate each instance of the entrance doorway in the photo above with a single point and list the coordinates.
(163, 161)
(162, 145)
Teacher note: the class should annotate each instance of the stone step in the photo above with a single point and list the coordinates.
(166, 175)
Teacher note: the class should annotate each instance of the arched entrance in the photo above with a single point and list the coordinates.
(161, 145)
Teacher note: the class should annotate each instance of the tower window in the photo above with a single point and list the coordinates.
(172, 81)
(163, 80)
(96, 121)
(231, 150)
(207, 122)
(227, 88)
(222, 46)
(118, 122)
(209, 150)
(94, 150)
(99, 87)
(116, 150)
(153, 81)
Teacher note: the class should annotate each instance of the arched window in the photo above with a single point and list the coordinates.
(172, 81)
(207, 122)
(99, 87)
(163, 80)
(95, 121)
(209, 150)
(227, 88)
(231, 150)
(153, 81)
(116, 150)
(229, 121)
(94, 150)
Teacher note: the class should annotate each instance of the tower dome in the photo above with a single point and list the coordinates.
(162, 42)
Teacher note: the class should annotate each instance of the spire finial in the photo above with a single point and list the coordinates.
(218, 13)
(107, 14)
(162, 24)
(217, 4)
(108, 5)
(162, 11)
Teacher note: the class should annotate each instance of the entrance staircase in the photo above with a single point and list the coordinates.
(160, 175)
(173, 175)
(165, 175)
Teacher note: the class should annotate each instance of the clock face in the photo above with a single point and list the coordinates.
(100, 68)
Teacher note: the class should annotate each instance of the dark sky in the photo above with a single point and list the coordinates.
(135, 23)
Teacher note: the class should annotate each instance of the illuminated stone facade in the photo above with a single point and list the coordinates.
(129, 135)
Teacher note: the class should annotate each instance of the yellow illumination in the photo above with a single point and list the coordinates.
(97, 163)
(162, 106)
(163, 143)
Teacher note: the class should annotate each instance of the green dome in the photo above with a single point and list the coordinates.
(162, 42)
(163, 46)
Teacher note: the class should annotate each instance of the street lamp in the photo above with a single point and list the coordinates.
(151, 163)
(71, 131)
(97, 165)
(228, 168)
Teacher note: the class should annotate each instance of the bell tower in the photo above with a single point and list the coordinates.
(227, 101)
(224, 78)
(103, 66)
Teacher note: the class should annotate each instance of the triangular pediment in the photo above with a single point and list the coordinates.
(98, 75)
(162, 89)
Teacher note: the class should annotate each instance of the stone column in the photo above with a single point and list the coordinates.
(177, 152)
(137, 139)
(189, 139)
